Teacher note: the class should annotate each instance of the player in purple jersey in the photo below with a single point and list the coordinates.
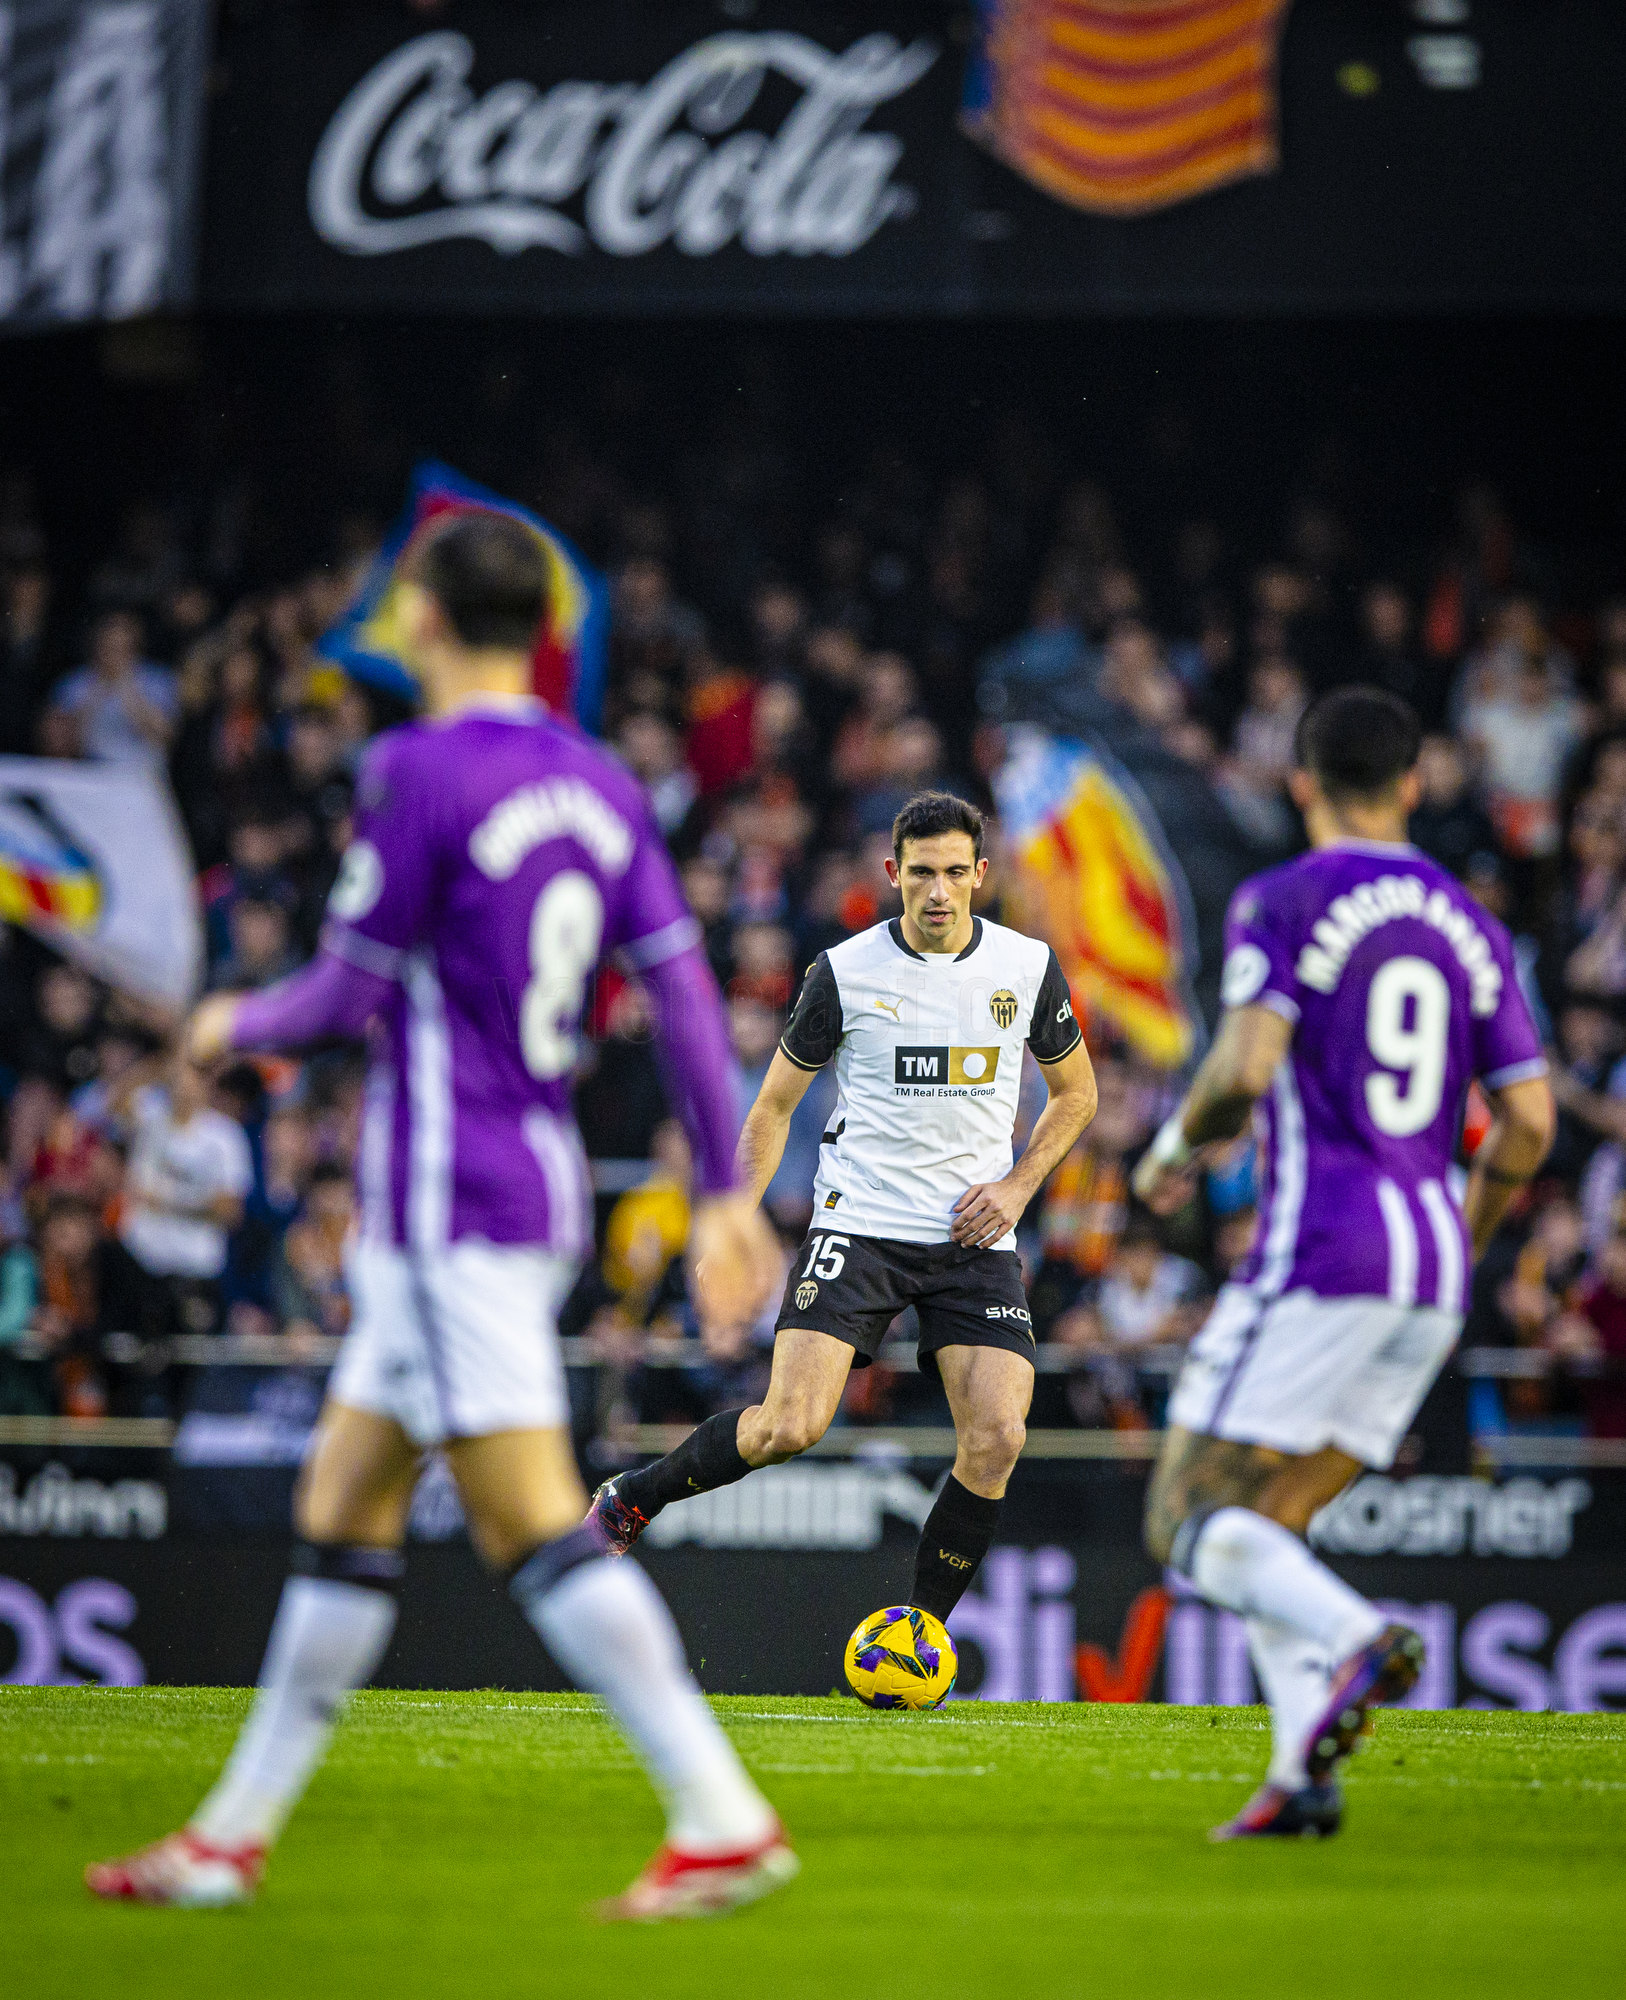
(498, 855)
(1364, 991)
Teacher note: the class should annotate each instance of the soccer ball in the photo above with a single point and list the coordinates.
(901, 1658)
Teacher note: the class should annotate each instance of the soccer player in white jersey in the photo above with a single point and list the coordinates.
(1364, 990)
(916, 1200)
(498, 851)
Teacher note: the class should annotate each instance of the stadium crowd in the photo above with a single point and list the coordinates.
(779, 716)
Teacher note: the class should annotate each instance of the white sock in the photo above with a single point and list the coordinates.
(328, 1638)
(608, 1627)
(1256, 1567)
(1296, 1675)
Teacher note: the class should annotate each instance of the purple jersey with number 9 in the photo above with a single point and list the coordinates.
(1401, 991)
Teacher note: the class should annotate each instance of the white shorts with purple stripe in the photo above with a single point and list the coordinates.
(457, 1342)
(1301, 1372)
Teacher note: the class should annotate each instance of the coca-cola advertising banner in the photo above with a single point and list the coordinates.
(777, 156)
(99, 117)
(585, 156)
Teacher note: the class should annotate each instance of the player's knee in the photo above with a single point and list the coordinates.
(995, 1444)
(793, 1431)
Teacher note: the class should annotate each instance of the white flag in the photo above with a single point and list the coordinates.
(94, 861)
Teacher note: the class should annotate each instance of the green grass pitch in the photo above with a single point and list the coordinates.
(451, 1843)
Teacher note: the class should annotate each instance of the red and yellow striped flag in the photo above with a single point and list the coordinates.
(1090, 872)
(1123, 106)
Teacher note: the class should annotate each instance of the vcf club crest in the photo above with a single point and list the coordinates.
(1003, 1007)
(806, 1292)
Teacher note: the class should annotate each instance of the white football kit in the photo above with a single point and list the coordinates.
(928, 1059)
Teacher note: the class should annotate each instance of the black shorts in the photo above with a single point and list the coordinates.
(853, 1287)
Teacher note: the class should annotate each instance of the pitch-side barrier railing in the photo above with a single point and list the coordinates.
(276, 1350)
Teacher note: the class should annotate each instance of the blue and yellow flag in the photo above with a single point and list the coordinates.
(571, 658)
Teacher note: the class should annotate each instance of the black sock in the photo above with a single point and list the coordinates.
(708, 1457)
(952, 1544)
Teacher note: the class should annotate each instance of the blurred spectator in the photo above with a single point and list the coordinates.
(1086, 1200)
(1523, 733)
(1146, 1298)
(1596, 1332)
(1449, 823)
(123, 708)
(25, 1390)
(308, 1292)
(865, 744)
(190, 1171)
(1263, 738)
(261, 946)
(654, 749)
(30, 657)
(1388, 657)
(655, 634)
(59, 1046)
(76, 1295)
(288, 1156)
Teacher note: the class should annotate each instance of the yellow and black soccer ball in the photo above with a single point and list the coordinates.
(901, 1658)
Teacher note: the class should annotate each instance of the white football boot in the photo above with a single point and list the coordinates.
(182, 1870)
(704, 1885)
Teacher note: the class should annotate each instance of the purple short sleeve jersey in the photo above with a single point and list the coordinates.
(1401, 990)
(497, 857)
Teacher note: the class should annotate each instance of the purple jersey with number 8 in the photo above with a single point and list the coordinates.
(498, 856)
(1401, 991)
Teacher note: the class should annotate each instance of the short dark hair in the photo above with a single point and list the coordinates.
(931, 813)
(1359, 741)
(490, 576)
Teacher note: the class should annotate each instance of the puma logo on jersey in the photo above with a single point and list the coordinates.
(892, 1007)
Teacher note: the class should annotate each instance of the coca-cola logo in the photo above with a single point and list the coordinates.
(415, 155)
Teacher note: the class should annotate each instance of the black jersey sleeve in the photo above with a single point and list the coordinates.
(1053, 1032)
(814, 1027)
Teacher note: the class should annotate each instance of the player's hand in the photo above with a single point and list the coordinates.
(209, 1032)
(734, 1264)
(986, 1212)
(1164, 1190)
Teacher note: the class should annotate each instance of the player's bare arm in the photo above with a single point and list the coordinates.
(733, 1260)
(991, 1209)
(1521, 1137)
(208, 1032)
(1230, 1080)
(767, 1123)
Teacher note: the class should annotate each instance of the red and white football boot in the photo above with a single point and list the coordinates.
(704, 1885)
(183, 1870)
